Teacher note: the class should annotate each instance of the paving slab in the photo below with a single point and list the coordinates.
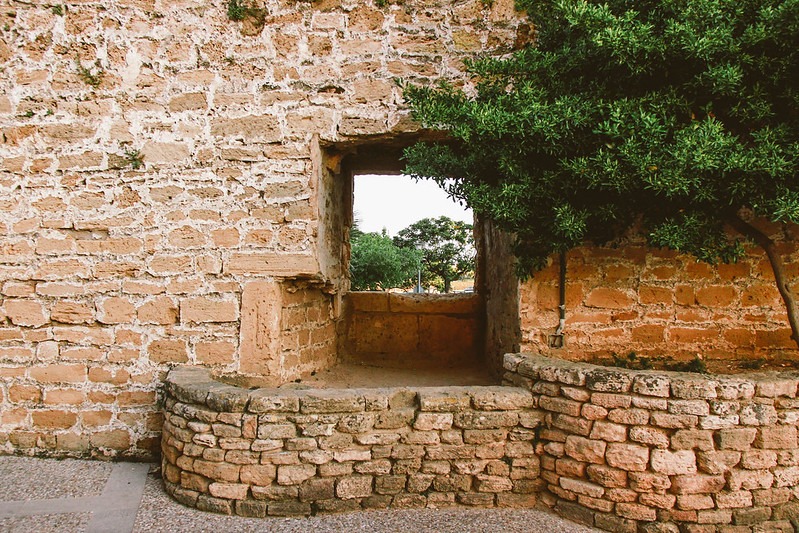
(93, 496)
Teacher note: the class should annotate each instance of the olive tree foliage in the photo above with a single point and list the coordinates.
(376, 263)
(446, 247)
(676, 117)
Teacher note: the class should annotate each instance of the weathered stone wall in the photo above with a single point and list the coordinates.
(660, 303)
(156, 160)
(285, 452)
(646, 451)
(171, 193)
(412, 330)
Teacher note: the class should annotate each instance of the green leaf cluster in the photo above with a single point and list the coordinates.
(665, 115)
(376, 263)
(446, 246)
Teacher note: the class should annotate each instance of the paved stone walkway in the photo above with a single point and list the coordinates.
(47, 495)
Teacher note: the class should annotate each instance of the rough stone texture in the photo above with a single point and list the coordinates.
(171, 192)
(309, 451)
(669, 463)
(660, 303)
(411, 330)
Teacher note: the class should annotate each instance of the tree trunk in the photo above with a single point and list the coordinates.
(447, 285)
(777, 266)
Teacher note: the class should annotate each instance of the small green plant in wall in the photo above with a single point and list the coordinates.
(90, 76)
(135, 159)
(239, 10)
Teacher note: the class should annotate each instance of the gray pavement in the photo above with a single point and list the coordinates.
(48, 495)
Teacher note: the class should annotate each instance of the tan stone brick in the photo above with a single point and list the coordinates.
(433, 421)
(253, 128)
(354, 487)
(758, 459)
(697, 484)
(673, 463)
(115, 439)
(560, 405)
(582, 449)
(750, 479)
(636, 417)
(54, 419)
(161, 310)
(669, 421)
(82, 353)
(689, 439)
(610, 400)
(649, 482)
(627, 457)
(739, 439)
(294, 474)
(649, 435)
(572, 424)
(231, 491)
(593, 412)
(606, 476)
(96, 418)
(115, 311)
(203, 310)
(72, 312)
(776, 437)
(64, 396)
(607, 298)
(215, 353)
(608, 432)
(659, 501)
(218, 471)
(582, 487)
(28, 313)
(695, 502)
(188, 102)
(168, 351)
(24, 393)
(733, 500)
(59, 373)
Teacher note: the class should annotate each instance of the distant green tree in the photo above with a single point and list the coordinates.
(447, 248)
(376, 263)
(676, 117)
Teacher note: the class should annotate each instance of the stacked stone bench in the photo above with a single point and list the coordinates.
(298, 452)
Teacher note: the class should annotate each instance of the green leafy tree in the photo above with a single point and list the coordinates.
(676, 117)
(376, 263)
(447, 248)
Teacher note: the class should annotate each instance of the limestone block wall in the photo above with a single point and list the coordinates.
(660, 303)
(285, 452)
(156, 160)
(646, 451)
(412, 330)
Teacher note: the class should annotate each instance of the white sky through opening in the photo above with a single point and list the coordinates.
(395, 202)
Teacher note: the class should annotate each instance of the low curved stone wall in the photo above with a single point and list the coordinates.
(282, 452)
(622, 450)
(648, 451)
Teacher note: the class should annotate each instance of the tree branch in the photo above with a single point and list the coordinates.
(777, 266)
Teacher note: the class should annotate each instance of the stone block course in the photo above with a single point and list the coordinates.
(307, 449)
(668, 453)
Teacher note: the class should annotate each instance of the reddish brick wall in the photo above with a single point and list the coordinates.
(411, 330)
(657, 302)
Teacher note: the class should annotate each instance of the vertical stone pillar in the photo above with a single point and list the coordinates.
(261, 306)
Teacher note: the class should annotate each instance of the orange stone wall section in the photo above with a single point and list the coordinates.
(659, 303)
(412, 330)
